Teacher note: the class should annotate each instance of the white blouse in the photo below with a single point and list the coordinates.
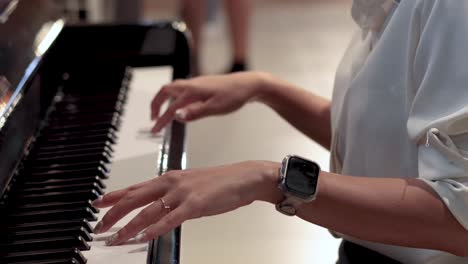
(400, 104)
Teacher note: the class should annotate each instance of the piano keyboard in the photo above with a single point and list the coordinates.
(135, 160)
(49, 218)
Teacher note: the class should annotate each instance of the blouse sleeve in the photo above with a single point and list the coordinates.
(438, 118)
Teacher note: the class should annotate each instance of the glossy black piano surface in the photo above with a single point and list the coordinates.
(62, 91)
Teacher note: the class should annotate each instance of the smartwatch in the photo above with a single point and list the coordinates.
(298, 182)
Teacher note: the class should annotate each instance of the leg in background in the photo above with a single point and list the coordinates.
(238, 13)
(193, 12)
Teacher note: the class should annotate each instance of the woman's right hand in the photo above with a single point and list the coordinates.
(205, 96)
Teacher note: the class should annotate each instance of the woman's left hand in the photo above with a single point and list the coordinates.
(177, 196)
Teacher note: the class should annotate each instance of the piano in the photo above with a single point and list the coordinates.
(70, 117)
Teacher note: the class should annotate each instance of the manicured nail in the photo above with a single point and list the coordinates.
(98, 227)
(140, 237)
(181, 114)
(110, 241)
(97, 200)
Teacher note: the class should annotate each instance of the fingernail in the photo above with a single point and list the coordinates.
(110, 241)
(181, 114)
(98, 227)
(140, 237)
(97, 200)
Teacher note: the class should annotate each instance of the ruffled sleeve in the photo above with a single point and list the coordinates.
(438, 119)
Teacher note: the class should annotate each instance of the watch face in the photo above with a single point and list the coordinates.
(302, 177)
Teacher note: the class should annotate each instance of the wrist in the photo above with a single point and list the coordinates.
(266, 186)
(264, 87)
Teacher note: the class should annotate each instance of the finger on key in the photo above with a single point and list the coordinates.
(146, 217)
(172, 220)
(131, 201)
(166, 92)
(168, 116)
(195, 111)
(111, 198)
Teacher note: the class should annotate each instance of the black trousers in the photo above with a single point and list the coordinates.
(350, 253)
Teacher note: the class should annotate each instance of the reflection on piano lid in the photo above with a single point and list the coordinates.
(64, 90)
(6, 8)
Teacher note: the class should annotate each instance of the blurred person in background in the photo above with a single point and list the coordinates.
(238, 14)
(397, 129)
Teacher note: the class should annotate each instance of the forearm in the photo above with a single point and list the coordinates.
(404, 212)
(307, 112)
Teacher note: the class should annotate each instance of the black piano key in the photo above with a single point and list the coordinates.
(73, 133)
(114, 124)
(17, 245)
(62, 188)
(107, 82)
(110, 119)
(81, 127)
(95, 85)
(72, 102)
(86, 117)
(86, 86)
(53, 215)
(64, 171)
(68, 173)
(69, 167)
(62, 147)
(49, 233)
(67, 181)
(84, 100)
(90, 89)
(45, 255)
(51, 224)
(78, 140)
(73, 153)
(70, 159)
(71, 196)
(85, 103)
(84, 109)
(91, 135)
(92, 150)
(56, 206)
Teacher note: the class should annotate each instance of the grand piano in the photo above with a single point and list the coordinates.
(65, 103)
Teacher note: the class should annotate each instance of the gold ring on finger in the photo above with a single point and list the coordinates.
(164, 205)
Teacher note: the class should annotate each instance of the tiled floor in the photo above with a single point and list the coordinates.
(299, 41)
